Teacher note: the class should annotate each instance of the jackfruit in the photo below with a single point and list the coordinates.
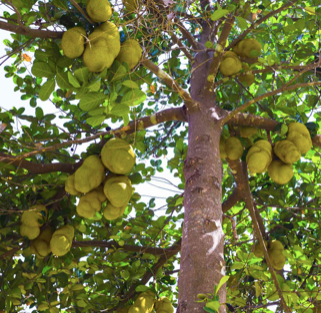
(102, 47)
(234, 149)
(163, 305)
(276, 256)
(73, 42)
(300, 136)
(99, 10)
(259, 157)
(280, 172)
(118, 156)
(90, 174)
(32, 220)
(222, 148)
(248, 48)
(61, 240)
(91, 202)
(70, 186)
(130, 53)
(247, 131)
(118, 190)
(41, 246)
(258, 250)
(230, 64)
(287, 151)
(130, 5)
(111, 212)
(144, 303)
(247, 79)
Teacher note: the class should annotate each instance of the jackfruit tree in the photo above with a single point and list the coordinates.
(162, 156)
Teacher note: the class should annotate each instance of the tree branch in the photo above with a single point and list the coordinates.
(234, 198)
(81, 11)
(181, 46)
(29, 31)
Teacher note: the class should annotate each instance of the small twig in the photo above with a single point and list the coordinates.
(81, 11)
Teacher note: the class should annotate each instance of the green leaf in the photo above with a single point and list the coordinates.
(218, 14)
(39, 113)
(133, 98)
(241, 22)
(81, 303)
(120, 73)
(77, 287)
(43, 306)
(208, 45)
(95, 120)
(130, 84)
(119, 109)
(47, 89)
(42, 69)
(73, 80)
(95, 85)
(98, 111)
(62, 4)
(63, 81)
(223, 280)
(82, 74)
(141, 288)
(64, 62)
(91, 101)
(214, 305)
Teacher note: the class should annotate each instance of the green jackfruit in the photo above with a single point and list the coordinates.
(163, 305)
(144, 303)
(61, 240)
(73, 42)
(287, 151)
(248, 48)
(99, 10)
(118, 156)
(118, 190)
(91, 202)
(102, 47)
(130, 53)
(234, 149)
(30, 232)
(258, 250)
(230, 64)
(41, 246)
(276, 255)
(247, 131)
(111, 212)
(259, 157)
(247, 79)
(280, 172)
(90, 174)
(130, 5)
(32, 220)
(70, 186)
(300, 136)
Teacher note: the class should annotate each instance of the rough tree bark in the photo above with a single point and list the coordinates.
(202, 259)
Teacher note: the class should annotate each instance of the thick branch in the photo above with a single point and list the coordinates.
(29, 31)
(131, 248)
(39, 168)
(234, 198)
(249, 203)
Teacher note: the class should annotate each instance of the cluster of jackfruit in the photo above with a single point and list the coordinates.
(231, 148)
(231, 64)
(102, 46)
(259, 156)
(41, 245)
(32, 220)
(119, 158)
(275, 252)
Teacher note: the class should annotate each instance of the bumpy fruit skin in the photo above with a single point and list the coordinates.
(258, 250)
(287, 151)
(41, 246)
(102, 47)
(223, 154)
(130, 53)
(144, 303)
(130, 5)
(300, 136)
(280, 172)
(276, 256)
(118, 190)
(99, 10)
(259, 157)
(30, 232)
(118, 156)
(70, 186)
(90, 174)
(111, 212)
(163, 305)
(73, 42)
(247, 79)
(91, 202)
(230, 64)
(233, 148)
(245, 47)
(61, 240)
(32, 220)
(247, 131)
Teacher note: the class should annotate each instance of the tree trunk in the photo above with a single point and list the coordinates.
(202, 258)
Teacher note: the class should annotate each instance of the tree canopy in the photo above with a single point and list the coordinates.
(225, 95)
